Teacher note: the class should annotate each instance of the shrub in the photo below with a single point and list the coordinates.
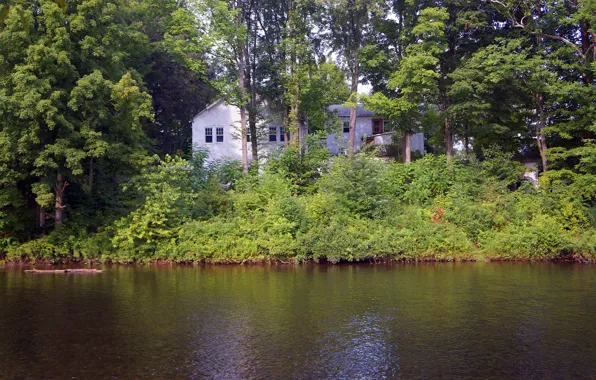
(302, 207)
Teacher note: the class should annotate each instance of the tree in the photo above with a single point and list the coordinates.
(227, 36)
(178, 94)
(177, 73)
(415, 83)
(505, 94)
(535, 83)
(349, 23)
(74, 102)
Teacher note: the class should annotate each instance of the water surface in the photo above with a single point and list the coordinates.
(489, 320)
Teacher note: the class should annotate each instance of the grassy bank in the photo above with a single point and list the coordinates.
(312, 207)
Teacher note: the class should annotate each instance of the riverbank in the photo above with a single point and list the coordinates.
(77, 263)
(357, 210)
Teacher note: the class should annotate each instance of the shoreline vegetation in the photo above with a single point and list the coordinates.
(76, 265)
(306, 206)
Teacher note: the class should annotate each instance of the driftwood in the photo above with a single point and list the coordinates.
(64, 271)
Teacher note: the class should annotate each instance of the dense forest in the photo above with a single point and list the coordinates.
(97, 99)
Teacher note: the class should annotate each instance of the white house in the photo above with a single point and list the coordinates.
(216, 129)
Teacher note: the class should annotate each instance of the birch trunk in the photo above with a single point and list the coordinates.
(407, 146)
(352, 138)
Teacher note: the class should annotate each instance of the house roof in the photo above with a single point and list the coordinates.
(337, 109)
(345, 111)
(209, 107)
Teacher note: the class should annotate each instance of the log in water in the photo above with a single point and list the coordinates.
(40, 271)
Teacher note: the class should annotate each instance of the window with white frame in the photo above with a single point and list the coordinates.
(272, 133)
(282, 134)
(219, 136)
(208, 135)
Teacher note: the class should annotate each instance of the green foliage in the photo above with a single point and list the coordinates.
(360, 209)
(174, 191)
(302, 166)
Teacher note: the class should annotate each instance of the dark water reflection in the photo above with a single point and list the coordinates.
(488, 320)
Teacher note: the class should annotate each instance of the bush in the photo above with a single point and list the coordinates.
(541, 237)
(305, 208)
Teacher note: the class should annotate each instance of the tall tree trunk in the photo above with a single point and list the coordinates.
(294, 62)
(242, 87)
(244, 139)
(540, 125)
(41, 213)
(252, 108)
(59, 188)
(252, 130)
(353, 110)
(41, 216)
(407, 146)
(448, 139)
(294, 120)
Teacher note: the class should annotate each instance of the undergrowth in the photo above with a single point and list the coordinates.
(308, 206)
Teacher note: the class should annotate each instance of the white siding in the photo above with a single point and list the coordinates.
(222, 115)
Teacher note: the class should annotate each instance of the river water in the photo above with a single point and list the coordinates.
(481, 320)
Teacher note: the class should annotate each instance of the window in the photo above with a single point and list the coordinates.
(346, 127)
(272, 133)
(219, 134)
(208, 135)
(377, 126)
(282, 136)
(248, 135)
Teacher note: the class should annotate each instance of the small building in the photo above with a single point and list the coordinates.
(216, 129)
